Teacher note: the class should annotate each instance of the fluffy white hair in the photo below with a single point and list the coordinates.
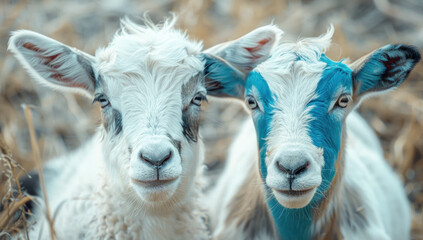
(136, 47)
(287, 53)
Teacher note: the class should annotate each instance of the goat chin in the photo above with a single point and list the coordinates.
(290, 201)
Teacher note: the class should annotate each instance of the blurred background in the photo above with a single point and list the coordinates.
(63, 121)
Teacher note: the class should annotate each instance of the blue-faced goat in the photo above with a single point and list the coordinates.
(317, 174)
(137, 177)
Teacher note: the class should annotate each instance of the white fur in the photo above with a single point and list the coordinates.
(92, 191)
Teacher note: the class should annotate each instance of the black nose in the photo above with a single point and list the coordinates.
(156, 160)
(293, 171)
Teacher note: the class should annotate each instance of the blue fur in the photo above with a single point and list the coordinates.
(369, 76)
(325, 128)
(231, 80)
(262, 119)
(290, 223)
(386, 68)
(296, 223)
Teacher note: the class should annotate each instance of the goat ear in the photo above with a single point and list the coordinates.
(228, 64)
(52, 63)
(384, 69)
(246, 52)
(222, 79)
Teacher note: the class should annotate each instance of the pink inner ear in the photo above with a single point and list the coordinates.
(48, 59)
(68, 82)
(253, 50)
(31, 46)
(259, 46)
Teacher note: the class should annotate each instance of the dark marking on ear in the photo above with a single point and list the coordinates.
(222, 79)
(212, 85)
(393, 63)
(210, 72)
(385, 68)
(86, 65)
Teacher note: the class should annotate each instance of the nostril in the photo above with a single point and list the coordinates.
(146, 159)
(293, 172)
(166, 158)
(157, 160)
(301, 168)
(282, 168)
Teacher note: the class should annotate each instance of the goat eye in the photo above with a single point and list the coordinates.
(104, 102)
(198, 99)
(252, 103)
(343, 101)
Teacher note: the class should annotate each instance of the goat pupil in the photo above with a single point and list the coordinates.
(104, 102)
(197, 100)
(251, 102)
(343, 101)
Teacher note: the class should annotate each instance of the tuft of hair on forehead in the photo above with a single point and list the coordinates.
(287, 53)
(318, 45)
(136, 48)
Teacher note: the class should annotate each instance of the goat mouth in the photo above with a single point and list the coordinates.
(153, 183)
(295, 193)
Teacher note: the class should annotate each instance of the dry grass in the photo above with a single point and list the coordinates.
(63, 121)
(39, 166)
(12, 217)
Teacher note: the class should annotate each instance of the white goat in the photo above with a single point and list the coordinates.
(324, 173)
(137, 177)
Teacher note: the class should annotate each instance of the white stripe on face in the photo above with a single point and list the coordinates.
(294, 85)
